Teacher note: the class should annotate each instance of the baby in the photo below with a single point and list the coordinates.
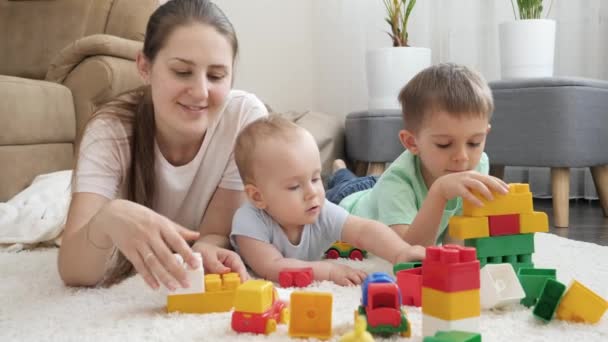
(287, 221)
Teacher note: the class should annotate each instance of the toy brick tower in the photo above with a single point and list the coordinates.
(450, 290)
(502, 230)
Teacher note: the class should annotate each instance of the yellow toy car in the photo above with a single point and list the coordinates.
(341, 249)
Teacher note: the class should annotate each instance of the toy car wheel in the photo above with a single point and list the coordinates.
(284, 316)
(285, 280)
(332, 253)
(356, 254)
(271, 326)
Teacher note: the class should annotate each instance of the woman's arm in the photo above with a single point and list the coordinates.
(217, 223)
(97, 225)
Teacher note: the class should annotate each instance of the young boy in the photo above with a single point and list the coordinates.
(446, 111)
(287, 221)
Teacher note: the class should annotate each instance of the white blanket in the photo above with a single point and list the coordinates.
(37, 214)
(35, 306)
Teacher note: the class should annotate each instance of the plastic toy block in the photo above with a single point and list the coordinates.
(533, 280)
(410, 285)
(454, 336)
(450, 268)
(462, 227)
(359, 334)
(451, 305)
(218, 296)
(406, 266)
(295, 277)
(341, 249)
(195, 276)
(504, 224)
(549, 300)
(499, 286)
(431, 325)
(310, 314)
(517, 201)
(536, 221)
(500, 246)
(257, 308)
(581, 304)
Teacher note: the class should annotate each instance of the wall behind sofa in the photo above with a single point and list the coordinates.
(310, 54)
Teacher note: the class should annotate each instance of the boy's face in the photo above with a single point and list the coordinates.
(447, 144)
(288, 183)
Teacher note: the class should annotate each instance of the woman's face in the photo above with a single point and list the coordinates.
(190, 79)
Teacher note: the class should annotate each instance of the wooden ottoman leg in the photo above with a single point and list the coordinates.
(497, 171)
(360, 168)
(375, 169)
(600, 178)
(560, 188)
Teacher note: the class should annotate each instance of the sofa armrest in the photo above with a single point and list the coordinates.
(96, 68)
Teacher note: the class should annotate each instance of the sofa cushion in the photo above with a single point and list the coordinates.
(35, 112)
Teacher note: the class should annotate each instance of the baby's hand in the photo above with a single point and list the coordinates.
(345, 275)
(410, 254)
(462, 184)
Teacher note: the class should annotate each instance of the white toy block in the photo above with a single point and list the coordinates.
(499, 286)
(196, 277)
(431, 325)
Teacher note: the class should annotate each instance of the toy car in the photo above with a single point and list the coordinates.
(341, 249)
(257, 308)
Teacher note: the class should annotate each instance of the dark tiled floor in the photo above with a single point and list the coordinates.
(587, 222)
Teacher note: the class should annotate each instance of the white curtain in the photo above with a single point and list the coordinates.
(461, 31)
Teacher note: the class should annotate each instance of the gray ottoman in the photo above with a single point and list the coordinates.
(552, 122)
(372, 139)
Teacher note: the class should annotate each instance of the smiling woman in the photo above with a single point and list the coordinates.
(155, 168)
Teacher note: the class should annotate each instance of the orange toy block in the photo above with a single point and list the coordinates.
(517, 201)
(219, 296)
(580, 304)
(462, 227)
(534, 222)
(310, 314)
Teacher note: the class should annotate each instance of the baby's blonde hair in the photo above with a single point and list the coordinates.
(255, 134)
(448, 87)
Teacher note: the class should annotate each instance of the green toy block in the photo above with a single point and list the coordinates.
(549, 300)
(453, 336)
(406, 266)
(500, 246)
(533, 280)
(517, 261)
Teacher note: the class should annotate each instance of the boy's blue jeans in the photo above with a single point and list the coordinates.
(343, 183)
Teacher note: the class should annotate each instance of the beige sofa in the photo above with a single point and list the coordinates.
(58, 59)
(61, 58)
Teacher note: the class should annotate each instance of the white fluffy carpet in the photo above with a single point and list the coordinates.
(35, 306)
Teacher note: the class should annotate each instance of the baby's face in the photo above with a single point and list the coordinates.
(288, 177)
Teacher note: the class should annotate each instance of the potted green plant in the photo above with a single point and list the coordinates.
(389, 68)
(527, 44)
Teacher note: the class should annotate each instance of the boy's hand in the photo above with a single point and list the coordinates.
(462, 184)
(345, 275)
(410, 254)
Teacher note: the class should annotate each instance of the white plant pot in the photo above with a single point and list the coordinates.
(388, 70)
(527, 48)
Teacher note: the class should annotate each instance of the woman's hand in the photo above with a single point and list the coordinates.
(220, 260)
(148, 240)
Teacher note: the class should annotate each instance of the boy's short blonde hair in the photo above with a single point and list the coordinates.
(447, 87)
(255, 134)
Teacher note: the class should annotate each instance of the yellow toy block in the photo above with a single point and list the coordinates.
(534, 222)
(517, 201)
(580, 304)
(462, 227)
(310, 314)
(219, 296)
(254, 296)
(451, 305)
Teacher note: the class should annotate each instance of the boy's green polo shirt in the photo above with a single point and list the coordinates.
(398, 195)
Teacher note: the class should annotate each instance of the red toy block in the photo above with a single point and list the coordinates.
(504, 224)
(450, 268)
(410, 284)
(295, 277)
